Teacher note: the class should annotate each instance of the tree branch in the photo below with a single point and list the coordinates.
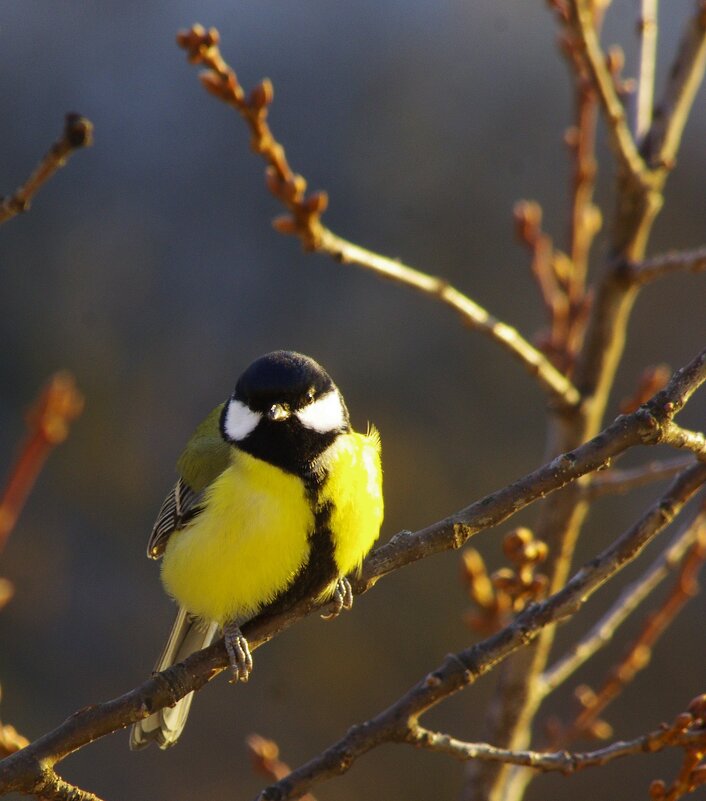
(617, 482)
(304, 218)
(78, 133)
(624, 432)
(639, 651)
(565, 762)
(167, 687)
(630, 598)
(51, 787)
(644, 272)
(557, 385)
(582, 19)
(662, 141)
(678, 437)
(458, 671)
(647, 29)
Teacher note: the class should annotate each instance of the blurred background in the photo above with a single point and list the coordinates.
(149, 269)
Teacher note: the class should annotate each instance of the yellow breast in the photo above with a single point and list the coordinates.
(252, 537)
(244, 547)
(354, 488)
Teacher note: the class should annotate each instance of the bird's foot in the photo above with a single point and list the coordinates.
(342, 599)
(239, 654)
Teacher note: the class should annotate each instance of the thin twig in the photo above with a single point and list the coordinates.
(618, 482)
(602, 632)
(684, 78)
(639, 651)
(78, 133)
(48, 422)
(582, 18)
(647, 30)
(693, 261)
(555, 383)
(565, 762)
(304, 218)
(586, 218)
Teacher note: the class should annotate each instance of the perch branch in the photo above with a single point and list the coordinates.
(304, 218)
(78, 133)
(21, 769)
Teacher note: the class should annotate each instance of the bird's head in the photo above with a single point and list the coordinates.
(285, 409)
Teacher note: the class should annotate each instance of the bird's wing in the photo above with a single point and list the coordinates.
(203, 460)
(180, 506)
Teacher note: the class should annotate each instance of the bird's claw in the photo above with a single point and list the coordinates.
(342, 599)
(239, 655)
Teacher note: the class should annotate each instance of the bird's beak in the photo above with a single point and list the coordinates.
(278, 412)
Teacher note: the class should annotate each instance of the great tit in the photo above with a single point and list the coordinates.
(277, 499)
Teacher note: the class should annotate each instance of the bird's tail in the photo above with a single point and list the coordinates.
(165, 726)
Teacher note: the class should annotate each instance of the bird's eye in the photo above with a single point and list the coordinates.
(310, 395)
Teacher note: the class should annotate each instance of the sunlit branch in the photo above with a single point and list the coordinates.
(304, 218)
(647, 28)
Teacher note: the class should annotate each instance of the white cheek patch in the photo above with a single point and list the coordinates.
(240, 421)
(324, 414)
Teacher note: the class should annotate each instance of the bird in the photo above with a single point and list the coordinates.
(277, 499)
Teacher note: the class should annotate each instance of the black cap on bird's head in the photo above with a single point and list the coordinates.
(285, 409)
(279, 377)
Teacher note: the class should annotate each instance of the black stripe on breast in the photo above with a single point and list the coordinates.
(320, 568)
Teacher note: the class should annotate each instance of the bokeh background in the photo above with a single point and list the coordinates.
(149, 268)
